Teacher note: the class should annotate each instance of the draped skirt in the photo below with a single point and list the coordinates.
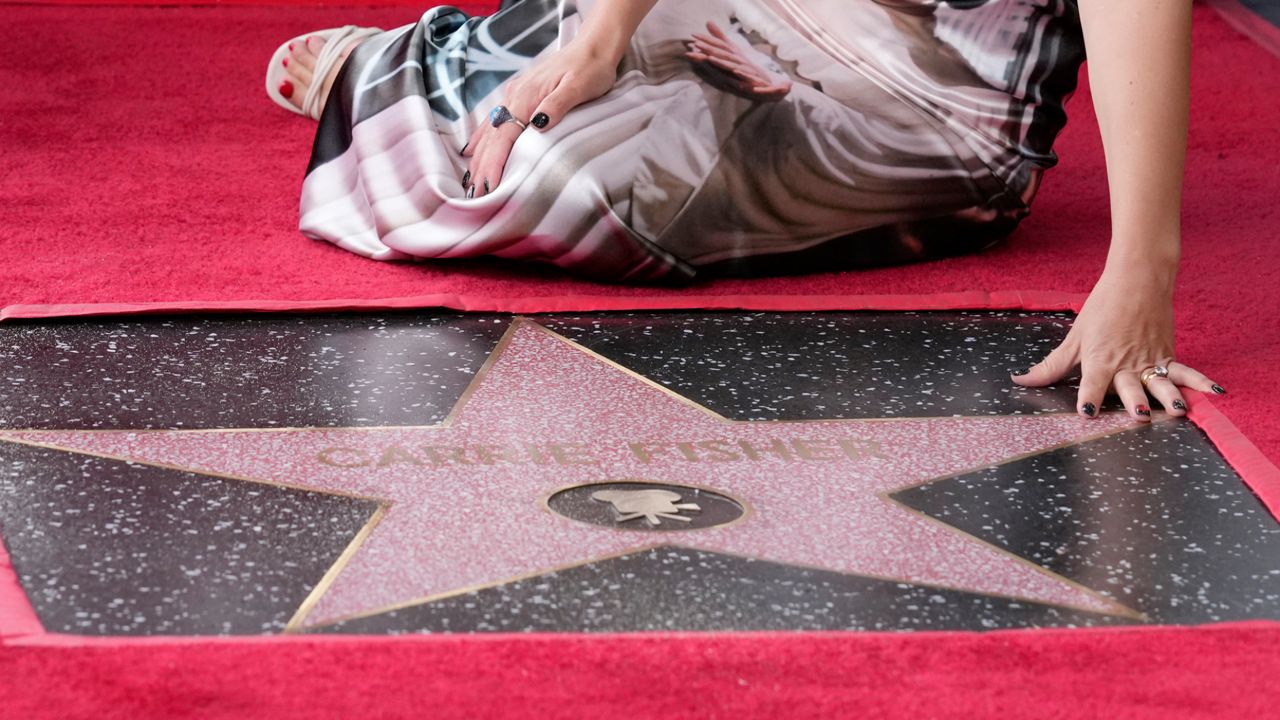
(907, 130)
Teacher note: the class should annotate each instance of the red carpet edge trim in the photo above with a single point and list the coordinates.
(1033, 300)
(54, 640)
(1256, 27)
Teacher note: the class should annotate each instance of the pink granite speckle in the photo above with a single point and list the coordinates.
(464, 499)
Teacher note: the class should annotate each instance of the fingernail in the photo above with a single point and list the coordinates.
(463, 151)
(1089, 409)
(1143, 410)
(286, 89)
(486, 186)
(1218, 389)
(471, 192)
(466, 179)
(1021, 372)
(541, 120)
(1179, 405)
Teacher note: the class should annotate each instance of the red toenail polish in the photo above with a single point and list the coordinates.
(290, 46)
(286, 89)
(286, 62)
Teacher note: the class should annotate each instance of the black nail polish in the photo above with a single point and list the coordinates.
(1089, 409)
(471, 192)
(1021, 371)
(486, 186)
(540, 120)
(1179, 405)
(463, 151)
(1143, 410)
(1218, 389)
(466, 179)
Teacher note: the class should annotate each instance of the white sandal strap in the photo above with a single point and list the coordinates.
(329, 56)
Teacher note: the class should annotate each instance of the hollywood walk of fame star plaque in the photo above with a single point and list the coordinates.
(606, 472)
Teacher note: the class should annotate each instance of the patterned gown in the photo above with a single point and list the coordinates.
(912, 129)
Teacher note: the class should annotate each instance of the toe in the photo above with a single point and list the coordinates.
(293, 87)
(298, 72)
(314, 44)
(300, 54)
(290, 92)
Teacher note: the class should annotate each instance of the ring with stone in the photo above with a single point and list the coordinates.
(1154, 372)
(500, 116)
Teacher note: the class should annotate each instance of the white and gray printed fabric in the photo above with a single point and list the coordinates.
(911, 129)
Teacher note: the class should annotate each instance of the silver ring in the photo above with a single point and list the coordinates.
(1154, 371)
(500, 116)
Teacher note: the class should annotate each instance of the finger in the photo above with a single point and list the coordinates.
(1185, 376)
(725, 55)
(716, 32)
(751, 75)
(491, 160)
(1132, 394)
(1053, 368)
(734, 63)
(1094, 381)
(484, 178)
(473, 142)
(698, 46)
(731, 60)
(716, 43)
(736, 67)
(720, 50)
(1168, 396)
(728, 66)
(548, 113)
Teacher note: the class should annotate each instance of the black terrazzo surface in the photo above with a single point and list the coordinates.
(1267, 9)
(270, 371)
(1152, 517)
(674, 588)
(809, 366)
(105, 547)
(358, 370)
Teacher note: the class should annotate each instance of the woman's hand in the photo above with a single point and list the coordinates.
(540, 96)
(725, 64)
(1125, 327)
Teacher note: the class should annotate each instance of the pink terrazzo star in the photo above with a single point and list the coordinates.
(463, 501)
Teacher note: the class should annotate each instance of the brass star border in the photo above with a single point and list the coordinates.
(297, 623)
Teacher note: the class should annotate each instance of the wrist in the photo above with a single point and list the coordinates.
(603, 43)
(1142, 273)
(1147, 253)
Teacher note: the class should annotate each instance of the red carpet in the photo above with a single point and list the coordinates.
(155, 170)
(143, 164)
(1165, 673)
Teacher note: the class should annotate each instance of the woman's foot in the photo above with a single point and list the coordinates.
(301, 62)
